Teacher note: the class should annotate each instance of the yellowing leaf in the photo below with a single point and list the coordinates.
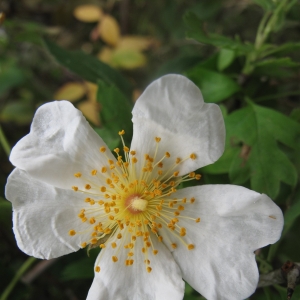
(132, 42)
(71, 91)
(92, 91)
(109, 30)
(91, 111)
(128, 59)
(105, 55)
(88, 13)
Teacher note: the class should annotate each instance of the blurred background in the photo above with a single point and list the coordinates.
(100, 55)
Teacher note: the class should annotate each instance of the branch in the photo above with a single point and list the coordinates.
(288, 274)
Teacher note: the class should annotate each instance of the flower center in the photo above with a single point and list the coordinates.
(125, 201)
(135, 204)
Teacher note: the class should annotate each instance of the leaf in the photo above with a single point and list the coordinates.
(110, 138)
(18, 112)
(115, 109)
(277, 62)
(260, 128)
(128, 59)
(10, 76)
(109, 30)
(265, 4)
(135, 42)
(90, 110)
(71, 91)
(295, 114)
(214, 86)
(88, 13)
(88, 67)
(225, 58)
(195, 31)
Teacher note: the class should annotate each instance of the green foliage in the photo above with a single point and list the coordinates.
(255, 57)
(214, 86)
(88, 67)
(116, 111)
(195, 31)
(264, 164)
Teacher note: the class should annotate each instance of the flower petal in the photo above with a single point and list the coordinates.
(172, 108)
(234, 223)
(43, 216)
(60, 143)
(116, 281)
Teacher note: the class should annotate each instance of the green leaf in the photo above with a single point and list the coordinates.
(277, 62)
(10, 76)
(88, 67)
(111, 139)
(265, 4)
(214, 86)
(295, 114)
(260, 128)
(81, 269)
(18, 112)
(195, 31)
(115, 110)
(225, 58)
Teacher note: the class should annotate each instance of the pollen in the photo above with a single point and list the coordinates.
(97, 269)
(193, 156)
(191, 246)
(134, 202)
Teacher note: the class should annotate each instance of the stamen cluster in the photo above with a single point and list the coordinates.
(123, 204)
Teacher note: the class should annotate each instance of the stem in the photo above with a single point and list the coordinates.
(26, 265)
(4, 142)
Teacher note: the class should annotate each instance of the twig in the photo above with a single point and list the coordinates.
(288, 274)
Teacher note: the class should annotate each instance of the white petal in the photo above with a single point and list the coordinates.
(234, 223)
(60, 143)
(43, 216)
(172, 108)
(116, 281)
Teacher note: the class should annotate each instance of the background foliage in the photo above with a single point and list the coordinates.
(244, 55)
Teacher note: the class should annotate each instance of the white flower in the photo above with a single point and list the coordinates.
(69, 191)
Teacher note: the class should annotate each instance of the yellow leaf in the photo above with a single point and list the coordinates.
(71, 91)
(128, 59)
(105, 54)
(88, 13)
(132, 42)
(92, 91)
(91, 111)
(109, 30)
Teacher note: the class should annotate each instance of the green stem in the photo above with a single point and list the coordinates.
(4, 142)
(26, 265)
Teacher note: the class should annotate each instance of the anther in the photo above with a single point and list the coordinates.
(167, 154)
(132, 152)
(102, 149)
(103, 170)
(178, 160)
(198, 177)
(174, 246)
(193, 156)
(72, 232)
(122, 132)
(103, 189)
(117, 150)
(83, 245)
(190, 246)
(77, 175)
(149, 269)
(157, 139)
(94, 172)
(75, 188)
(87, 187)
(113, 245)
(197, 220)
(155, 252)
(97, 269)
(114, 258)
